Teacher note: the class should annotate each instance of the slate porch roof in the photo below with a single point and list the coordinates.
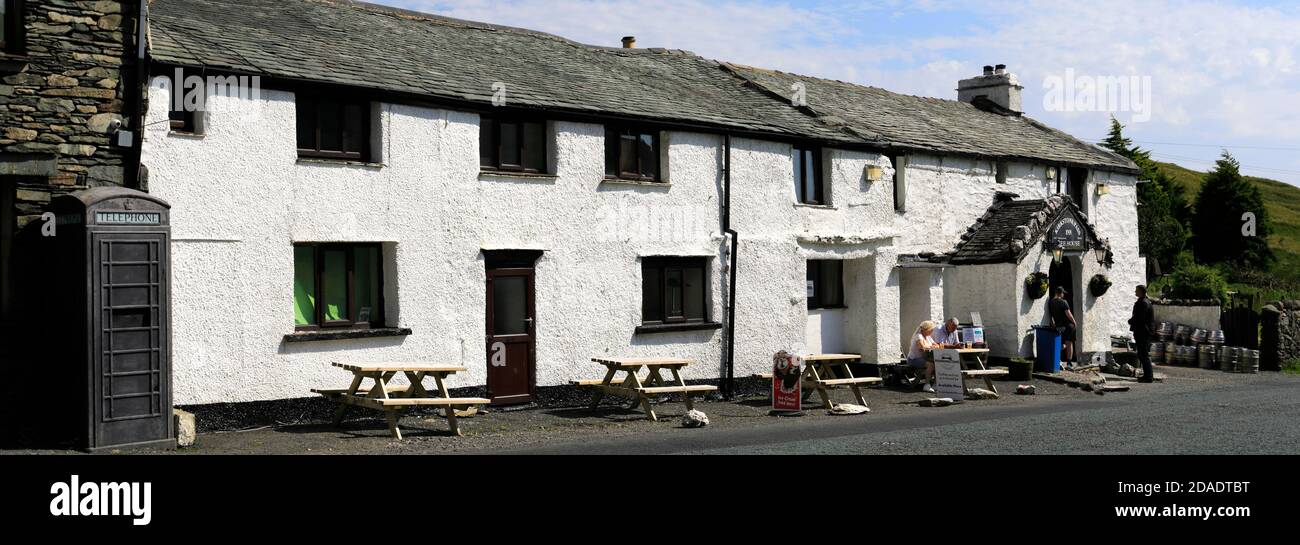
(382, 48)
(1010, 228)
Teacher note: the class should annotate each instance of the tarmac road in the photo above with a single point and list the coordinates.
(1199, 413)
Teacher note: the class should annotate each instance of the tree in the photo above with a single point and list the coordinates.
(1219, 232)
(1162, 233)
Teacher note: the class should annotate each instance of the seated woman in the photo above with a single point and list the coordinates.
(920, 344)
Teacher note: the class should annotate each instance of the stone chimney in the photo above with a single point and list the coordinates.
(629, 42)
(995, 85)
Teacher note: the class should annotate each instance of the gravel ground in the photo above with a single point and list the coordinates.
(1193, 411)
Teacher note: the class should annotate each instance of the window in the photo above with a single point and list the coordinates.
(1001, 175)
(673, 289)
(900, 182)
(825, 284)
(808, 175)
(11, 30)
(337, 285)
(333, 128)
(512, 144)
(182, 120)
(631, 154)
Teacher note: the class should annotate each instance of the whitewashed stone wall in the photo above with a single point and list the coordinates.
(241, 198)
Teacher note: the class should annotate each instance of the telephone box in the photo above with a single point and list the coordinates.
(114, 271)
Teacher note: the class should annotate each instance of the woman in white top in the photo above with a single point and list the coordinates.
(920, 344)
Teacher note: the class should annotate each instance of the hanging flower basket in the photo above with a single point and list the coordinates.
(1099, 285)
(1036, 285)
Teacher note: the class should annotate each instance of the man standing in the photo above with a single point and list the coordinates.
(1143, 326)
(1063, 320)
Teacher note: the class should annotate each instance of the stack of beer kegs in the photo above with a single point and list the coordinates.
(1229, 357)
(1160, 343)
(1249, 362)
(1157, 353)
(1207, 356)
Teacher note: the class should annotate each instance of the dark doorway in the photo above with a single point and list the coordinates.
(511, 339)
(1077, 187)
(1240, 322)
(1061, 274)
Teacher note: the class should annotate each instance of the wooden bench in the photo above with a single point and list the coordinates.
(391, 398)
(980, 370)
(400, 389)
(984, 372)
(657, 390)
(848, 381)
(632, 386)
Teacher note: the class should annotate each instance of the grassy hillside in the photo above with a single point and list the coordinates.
(1283, 204)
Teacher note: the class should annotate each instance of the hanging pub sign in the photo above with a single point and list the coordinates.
(1067, 234)
(787, 383)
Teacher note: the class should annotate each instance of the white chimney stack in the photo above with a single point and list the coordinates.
(996, 85)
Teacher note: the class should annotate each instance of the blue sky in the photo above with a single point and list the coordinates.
(1221, 74)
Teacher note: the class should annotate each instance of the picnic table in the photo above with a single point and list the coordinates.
(972, 366)
(825, 372)
(392, 399)
(633, 386)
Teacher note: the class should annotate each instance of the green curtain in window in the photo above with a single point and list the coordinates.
(304, 285)
(334, 280)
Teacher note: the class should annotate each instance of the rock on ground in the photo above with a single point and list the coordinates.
(186, 430)
(695, 419)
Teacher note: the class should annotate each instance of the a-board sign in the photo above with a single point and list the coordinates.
(787, 383)
(947, 375)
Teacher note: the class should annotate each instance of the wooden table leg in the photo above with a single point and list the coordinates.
(343, 407)
(654, 377)
(600, 391)
(451, 421)
(391, 416)
(988, 380)
(857, 391)
(821, 390)
(641, 399)
(677, 376)
(417, 384)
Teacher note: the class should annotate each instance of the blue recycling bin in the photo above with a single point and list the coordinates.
(1047, 357)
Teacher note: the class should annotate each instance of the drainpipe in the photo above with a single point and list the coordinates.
(728, 383)
(137, 88)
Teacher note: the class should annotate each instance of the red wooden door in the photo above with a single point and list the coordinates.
(511, 344)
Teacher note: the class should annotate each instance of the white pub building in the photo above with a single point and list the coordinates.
(404, 187)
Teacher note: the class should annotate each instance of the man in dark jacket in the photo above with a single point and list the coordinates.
(1143, 326)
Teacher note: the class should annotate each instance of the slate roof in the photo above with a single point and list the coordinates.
(382, 48)
(1010, 228)
(923, 123)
